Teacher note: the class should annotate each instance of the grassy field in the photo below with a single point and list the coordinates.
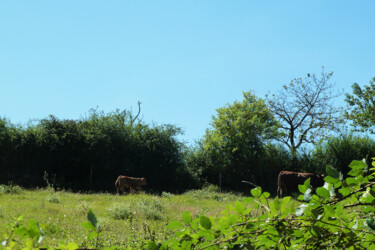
(127, 220)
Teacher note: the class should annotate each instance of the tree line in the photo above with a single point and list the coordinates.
(248, 142)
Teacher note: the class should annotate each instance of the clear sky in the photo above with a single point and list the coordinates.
(181, 59)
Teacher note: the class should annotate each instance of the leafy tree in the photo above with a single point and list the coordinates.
(236, 140)
(362, 107)
(305, 110)
(338, 151)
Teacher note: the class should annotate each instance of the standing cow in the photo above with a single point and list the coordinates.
(288, 181)
(134, 184)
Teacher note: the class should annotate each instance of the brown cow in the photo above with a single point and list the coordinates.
(134, 184)
(288, 181)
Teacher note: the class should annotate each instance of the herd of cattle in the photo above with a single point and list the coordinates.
(287, 182)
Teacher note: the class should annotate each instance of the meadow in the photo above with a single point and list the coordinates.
(127, 221)
(339, 215)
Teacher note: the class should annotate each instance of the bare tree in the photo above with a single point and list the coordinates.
(139, 111)
(305, 110)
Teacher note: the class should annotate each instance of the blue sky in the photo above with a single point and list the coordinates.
(181, 59)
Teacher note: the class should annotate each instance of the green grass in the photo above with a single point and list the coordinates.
(127, 220)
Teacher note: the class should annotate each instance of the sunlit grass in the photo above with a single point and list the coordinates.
(123, 218)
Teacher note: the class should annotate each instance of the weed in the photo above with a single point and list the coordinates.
(152, 208)
(53, 198)
(166, 195)
(211, 192)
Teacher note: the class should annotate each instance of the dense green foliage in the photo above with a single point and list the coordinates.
(339, 151)
(90, 153)
(322, 221)
(241, 148)
(362, 107)
(235, 144)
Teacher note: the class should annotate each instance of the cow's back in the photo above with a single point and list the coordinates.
(288, 181)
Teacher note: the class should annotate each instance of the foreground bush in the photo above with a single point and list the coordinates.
(339, 215)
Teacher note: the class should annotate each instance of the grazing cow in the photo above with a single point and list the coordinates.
(288, 181)
(134, 184)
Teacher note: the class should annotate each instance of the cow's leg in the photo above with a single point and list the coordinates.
(279, 192)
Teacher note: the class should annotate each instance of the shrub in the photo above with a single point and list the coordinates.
(53, 198)
(151, 208)
(10, 189)
(121, 212)
(166, 195)
(323, 220)
(211, 192)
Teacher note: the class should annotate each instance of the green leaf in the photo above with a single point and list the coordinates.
(72, 246)
(186, 244)
(344, 191)
(351, 181)
(92, 235)
(331, 180)
(302, 188)
(298, 233)
(186, 217)
(21, 231)
(266, 194)
(307, 182)
(239, 207)
(151, 245)
(339, 209)
(174, 224)
(256, 192)
(88, 225)
(91, 217)
(321, 191)
(332, 172)
(205, 222)
(248, 200)
(224, 223)
(276, 204)
(357, 165)
(329, 210)
(354, 172)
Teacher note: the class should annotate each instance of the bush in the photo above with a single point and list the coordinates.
(53, 198)
(211, 192)
(151, 208)
(341, 150)
(320, 221)
(10, 189)
(166, 195)
(121, 212)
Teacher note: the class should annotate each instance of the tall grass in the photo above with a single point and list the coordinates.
(127, 220)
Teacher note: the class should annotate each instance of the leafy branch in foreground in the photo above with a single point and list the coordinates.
(339, 215)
